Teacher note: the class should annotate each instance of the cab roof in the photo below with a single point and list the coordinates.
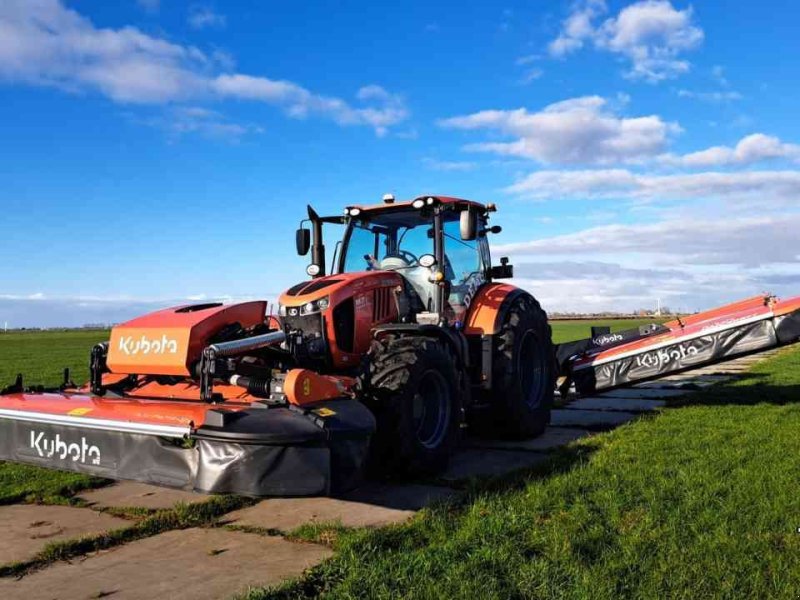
(388, 206)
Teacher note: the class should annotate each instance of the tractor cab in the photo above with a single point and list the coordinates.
(437, 245)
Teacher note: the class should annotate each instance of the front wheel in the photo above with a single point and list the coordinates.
(413, 390)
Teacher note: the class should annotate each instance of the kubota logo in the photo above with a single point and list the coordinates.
(664, 356)
(144, 345)
(58, 448)
(608, 338)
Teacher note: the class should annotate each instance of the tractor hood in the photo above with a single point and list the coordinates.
(339, 286)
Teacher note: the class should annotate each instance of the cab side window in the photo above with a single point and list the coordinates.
(463, 267)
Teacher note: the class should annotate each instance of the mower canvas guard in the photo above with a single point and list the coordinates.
(615, 360)
(256, 450)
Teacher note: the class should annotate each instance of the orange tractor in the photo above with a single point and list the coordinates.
(378, 365)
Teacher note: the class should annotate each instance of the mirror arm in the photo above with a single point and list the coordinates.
(317, 247)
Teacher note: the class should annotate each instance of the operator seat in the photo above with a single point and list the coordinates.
(418, 276)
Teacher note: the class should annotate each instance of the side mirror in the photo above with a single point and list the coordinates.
(504, 271)
(469, 225)
(302, 239)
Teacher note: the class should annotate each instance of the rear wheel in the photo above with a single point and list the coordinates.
(413, 390)
(523, 373)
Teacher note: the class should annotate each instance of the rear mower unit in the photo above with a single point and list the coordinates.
(610, 360)
(375, 367)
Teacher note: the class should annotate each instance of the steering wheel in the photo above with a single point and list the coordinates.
(407, 256)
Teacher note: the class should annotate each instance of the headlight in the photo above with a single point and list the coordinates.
(312, 307)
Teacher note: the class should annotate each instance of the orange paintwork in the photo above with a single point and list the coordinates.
(361, 286)
(303, 386)
(754, 304)
(187, 389)
(151, 412)
(485, 308)
(694, 325)
(784, 307)
(167, 342)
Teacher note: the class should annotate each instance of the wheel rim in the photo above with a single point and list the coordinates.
(431, 409)
(532, 369)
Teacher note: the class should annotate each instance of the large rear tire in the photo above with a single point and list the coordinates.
(523, 372)
(413, 389)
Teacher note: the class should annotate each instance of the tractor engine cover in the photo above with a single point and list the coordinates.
(169, 341)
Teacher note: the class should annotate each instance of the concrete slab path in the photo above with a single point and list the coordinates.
(192, 564)
(28, 528)
(140, 495)
(590, 419)
(611, 403)
(371, 506)
(552, 438)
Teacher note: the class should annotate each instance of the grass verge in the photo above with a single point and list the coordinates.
(24, 483)
(698, 501)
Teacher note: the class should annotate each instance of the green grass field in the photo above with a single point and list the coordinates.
(698, 501)
(41, 356)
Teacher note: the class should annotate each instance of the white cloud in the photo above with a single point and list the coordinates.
(651, 34)
(151, 6)
(718, 73)
(449, 165)
(578, 28)
(531, 75)
(688, 264)
(750, 149)
(715, 97)
(578, 290)
(750, 241)
(182, 120)
(769, 188)
(300, 102)
(582, 130)
(38, 310)
(202, 17)
(527, 59)
(44, 43)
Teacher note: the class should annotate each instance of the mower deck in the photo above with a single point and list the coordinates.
(257, 449)
(615, 360)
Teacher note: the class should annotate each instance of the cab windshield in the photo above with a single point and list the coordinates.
(396, 241)
(393, 241)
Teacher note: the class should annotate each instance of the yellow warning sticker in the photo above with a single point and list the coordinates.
(325, 412)
(79, 412)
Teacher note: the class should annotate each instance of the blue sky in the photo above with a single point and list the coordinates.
(153, 152)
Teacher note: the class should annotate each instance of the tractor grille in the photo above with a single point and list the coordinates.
(381, 304)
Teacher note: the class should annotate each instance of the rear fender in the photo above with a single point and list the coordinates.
(485, 318)
(487, 310)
